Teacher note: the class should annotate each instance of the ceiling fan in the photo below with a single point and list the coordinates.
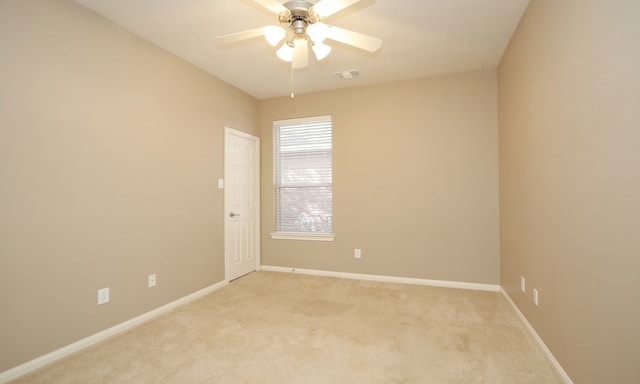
(301, 26)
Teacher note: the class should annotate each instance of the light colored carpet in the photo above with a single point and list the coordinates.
(271, 327)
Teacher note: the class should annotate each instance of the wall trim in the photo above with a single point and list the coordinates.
(58, 354)
(537, 338)
(386, 279)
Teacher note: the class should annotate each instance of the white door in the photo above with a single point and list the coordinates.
(241, 203)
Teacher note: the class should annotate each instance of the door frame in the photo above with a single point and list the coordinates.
(227, 132)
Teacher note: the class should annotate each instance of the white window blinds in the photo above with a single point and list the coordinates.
(303, 175)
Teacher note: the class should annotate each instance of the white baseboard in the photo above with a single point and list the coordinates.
(58, 354)
(538, 340)
(386, 279)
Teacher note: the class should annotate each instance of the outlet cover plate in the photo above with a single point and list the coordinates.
(103, 296)
(152, 280)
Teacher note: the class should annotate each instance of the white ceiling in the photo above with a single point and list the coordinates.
(420, 38)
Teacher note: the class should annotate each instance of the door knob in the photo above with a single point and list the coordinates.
(234, 214)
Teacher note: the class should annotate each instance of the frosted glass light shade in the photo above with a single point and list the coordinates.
(274, 34)
(317, 32)
(321, 50)
(285, 53)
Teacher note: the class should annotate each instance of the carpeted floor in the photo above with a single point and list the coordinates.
(271, 327)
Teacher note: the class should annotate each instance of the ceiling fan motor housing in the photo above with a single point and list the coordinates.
(299, 27)
(299, 18)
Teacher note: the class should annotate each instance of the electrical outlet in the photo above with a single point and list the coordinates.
(357, 253)
(152, 280)
(535, 296)
(522, 284)
(103, 296)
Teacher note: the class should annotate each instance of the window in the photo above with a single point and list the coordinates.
(303, 179)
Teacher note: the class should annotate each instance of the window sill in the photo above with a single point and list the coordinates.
(302, 236)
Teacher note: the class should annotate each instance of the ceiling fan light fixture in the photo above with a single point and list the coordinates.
(285, 53)
(274, 34)
(321, 50)
(301, 27)
(317, 32)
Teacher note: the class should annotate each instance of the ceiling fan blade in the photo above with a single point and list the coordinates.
(239, 36)
(273, 6)
(300, 54)
(356, 39)
(325, 8)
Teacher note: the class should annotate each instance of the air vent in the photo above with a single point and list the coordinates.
(348, 75)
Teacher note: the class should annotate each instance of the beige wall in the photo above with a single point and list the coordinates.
(415, 179)
(569, 102)
(109, 153)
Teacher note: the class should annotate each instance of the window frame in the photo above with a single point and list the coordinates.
(307, 236)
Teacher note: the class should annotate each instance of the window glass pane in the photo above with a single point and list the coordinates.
(306, 209)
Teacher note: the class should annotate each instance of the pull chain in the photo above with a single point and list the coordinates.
(292, 95)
